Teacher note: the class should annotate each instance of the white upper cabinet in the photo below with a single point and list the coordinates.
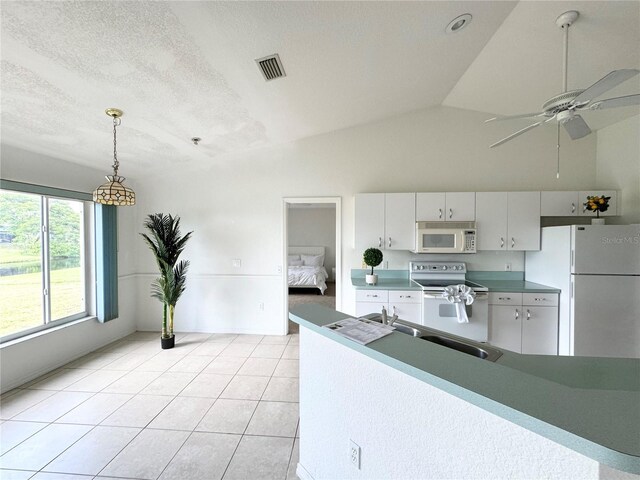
(400, 221)
(446, 207)
(491, 220)
(385, 221)
(369, 221)
(559, 204)
(523, 222)
(613, 204)
(508, 221)
(571, 204)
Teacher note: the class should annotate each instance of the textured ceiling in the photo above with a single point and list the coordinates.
(184, 69)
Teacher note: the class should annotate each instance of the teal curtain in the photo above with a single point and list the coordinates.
(106, 219)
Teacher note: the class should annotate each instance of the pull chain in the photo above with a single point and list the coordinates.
(116, 164)
(558, 150)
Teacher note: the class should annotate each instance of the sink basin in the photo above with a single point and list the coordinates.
(414, 332)
(483, 352)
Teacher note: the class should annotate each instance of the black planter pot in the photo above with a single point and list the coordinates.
(167, 343)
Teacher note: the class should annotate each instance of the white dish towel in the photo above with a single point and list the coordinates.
(460, 296)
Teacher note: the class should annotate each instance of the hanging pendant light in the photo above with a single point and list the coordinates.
(114, 192)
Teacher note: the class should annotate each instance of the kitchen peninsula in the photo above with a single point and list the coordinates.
(421, 410)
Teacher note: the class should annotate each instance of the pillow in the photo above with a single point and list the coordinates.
(292, 257)
(312, 260)
(295, 263)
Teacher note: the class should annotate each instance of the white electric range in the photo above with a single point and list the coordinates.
(437, 312)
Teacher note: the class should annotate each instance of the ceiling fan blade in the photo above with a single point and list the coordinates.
(625, 101)
(514, 135)
(499, 118)
(606, 83)
(576, 127)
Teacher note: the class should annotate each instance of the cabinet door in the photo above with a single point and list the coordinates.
(613, 202)
(364, 308)
(491, 220)
(369, 221)
(523, 221)
(505, 327)
(559, 204)
(430, 207)
(411, 312)
(400, 221)
(460, 206)
(540, 330)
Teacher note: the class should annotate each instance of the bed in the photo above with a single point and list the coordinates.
(305, 268)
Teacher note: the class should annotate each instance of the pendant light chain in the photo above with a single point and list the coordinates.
(116, 163)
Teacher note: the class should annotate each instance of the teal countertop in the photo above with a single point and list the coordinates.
(590, 405)
(515, 286)
(511, 282)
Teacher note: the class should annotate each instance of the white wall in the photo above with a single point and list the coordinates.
(618, 166)
(25, 359)
(235, 203)
(314, 226)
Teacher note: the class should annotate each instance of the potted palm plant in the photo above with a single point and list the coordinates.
(167, 243)
(372, 257)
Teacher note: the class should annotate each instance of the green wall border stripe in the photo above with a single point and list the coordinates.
(44, 190)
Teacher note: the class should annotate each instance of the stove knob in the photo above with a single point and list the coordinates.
(444, 267)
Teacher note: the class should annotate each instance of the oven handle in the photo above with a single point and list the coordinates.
(479, 295)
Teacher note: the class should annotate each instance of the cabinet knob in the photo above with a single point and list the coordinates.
(450, 213)
(513, 242)
(501, 242)
(517, 314)
(573, 207)
(528, 314)
(389, 242)
(439, 213)
(379, 242)
(504, 298)
(374, 296)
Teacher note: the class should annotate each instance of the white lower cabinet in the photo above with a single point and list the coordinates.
(407, 303)
(524, 322)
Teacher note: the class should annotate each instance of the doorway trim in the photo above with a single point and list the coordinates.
(286, 201)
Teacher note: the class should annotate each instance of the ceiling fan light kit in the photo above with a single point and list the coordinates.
(565, 106)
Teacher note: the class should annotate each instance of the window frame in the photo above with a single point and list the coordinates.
(88, 239)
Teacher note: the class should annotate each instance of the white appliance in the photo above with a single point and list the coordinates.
(437, 312)
(597, 267)
(445, 237)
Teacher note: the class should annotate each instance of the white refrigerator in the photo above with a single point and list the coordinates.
(597, 268)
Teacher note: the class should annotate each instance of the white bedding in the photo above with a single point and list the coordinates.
(307, 276)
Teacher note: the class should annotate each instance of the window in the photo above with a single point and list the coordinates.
(44, 247)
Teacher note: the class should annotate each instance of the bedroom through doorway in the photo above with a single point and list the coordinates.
(312, 253)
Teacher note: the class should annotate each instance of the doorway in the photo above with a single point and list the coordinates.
(312, 253)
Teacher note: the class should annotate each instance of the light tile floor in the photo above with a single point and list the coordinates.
(214, 407)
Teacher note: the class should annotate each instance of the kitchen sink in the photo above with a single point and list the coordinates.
(462, 345)
(484, 352)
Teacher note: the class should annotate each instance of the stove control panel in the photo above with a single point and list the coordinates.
(438, 267)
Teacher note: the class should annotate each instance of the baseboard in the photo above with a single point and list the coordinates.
(302, 473)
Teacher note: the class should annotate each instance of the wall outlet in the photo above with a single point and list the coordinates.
(386, 264)
(261, 306)
(354, 454)
(507, 267)
(236, 262)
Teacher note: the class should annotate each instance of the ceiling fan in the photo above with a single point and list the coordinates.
(564, 107)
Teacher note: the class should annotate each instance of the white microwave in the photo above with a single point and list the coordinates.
(445, 237)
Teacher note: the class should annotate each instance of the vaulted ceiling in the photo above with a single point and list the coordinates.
(185, 69)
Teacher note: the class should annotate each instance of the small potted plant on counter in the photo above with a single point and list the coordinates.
(167, 244)
(597, 204)
(372, 257)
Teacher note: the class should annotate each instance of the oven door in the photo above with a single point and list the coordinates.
(439, 240)
(438, 313)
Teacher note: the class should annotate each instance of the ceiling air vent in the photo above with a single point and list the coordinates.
(271, 67)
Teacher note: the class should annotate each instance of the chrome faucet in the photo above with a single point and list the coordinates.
(386, 320)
